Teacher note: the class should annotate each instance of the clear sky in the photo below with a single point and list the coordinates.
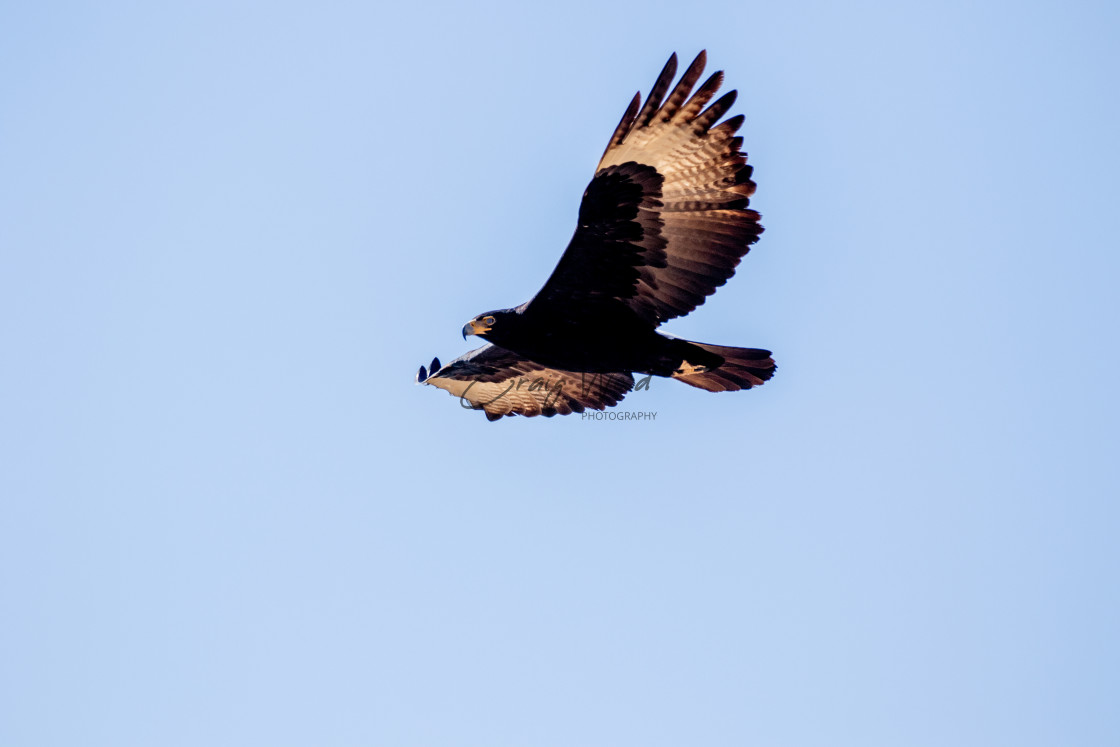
(231, 231)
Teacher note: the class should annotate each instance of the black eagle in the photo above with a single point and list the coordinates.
(663, 224)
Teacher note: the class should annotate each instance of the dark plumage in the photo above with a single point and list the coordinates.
(663, 223)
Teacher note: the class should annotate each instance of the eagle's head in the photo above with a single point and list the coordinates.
(493, 325)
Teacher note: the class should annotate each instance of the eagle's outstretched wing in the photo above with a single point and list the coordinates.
(500, 382)
(665, 220)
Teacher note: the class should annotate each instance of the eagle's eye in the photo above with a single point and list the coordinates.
(488, 321)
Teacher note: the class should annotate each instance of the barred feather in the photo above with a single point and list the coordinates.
(695, 212)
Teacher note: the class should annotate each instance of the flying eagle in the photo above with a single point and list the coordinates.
(663, 223)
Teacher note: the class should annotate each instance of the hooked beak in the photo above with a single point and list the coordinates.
(474, 327)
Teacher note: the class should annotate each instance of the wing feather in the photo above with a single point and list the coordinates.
(683, 87)
(625, 123)
(712, 114)
(666, 220)
(660, 86)
(702, 96)
(500, 382)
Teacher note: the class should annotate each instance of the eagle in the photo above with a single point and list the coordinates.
(663, 223)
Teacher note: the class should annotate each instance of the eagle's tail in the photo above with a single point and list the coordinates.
(742, 368)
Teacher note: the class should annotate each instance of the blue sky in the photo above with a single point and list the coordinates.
(230, 232)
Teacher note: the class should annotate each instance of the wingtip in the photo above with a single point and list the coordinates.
(435, 365)
(421, 375)
(671, 66)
